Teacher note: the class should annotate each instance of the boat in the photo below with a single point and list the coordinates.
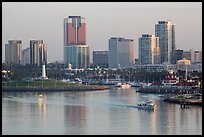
(149, 105)
(125, 85)
(136, 84)
(122, 85)
(119, 84)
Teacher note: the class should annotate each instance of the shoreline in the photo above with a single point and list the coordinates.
(53, 89)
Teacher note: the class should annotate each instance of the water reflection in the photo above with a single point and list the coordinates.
(75, 116)
(42, 108)
(98, 112)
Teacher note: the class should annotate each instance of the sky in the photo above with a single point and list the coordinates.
(44, 21)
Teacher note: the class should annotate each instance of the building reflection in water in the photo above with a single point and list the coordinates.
(110, 112)
(165, 119)
(75, 121)
(42, 106)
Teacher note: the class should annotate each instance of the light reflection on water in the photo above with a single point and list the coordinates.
(96, 112)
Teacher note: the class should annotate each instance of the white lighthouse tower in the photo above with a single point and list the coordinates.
(44, 72)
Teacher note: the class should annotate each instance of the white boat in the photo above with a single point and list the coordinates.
(149, 105)
(125, 85)
(136, 84)
(119, 84)
(122, 85)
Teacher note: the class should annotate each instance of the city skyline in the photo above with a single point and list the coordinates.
(104, 20)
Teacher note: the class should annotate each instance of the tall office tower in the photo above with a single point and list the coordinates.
(165, 30)
(149, 49)
(38, 52)
(13, 52)
(26, 56)
(76, 52)
(121, 52)
(100, 58)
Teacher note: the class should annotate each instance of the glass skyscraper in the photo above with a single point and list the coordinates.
(121, 52)
(76, 52)
(165, 30)
(149, 49)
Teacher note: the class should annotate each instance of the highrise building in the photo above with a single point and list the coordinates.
(121, 52)
(38, 52)
(76, 52)
(13, 51)
(165, 30)
(26, 56)
(100, 58)
(149, 49)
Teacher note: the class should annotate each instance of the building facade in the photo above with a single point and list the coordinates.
(198, 56)
(121, 52)
(26, 56)
(100, 58)
(149, 49)
(187, 54)
(75, 42)
(13, 51)
(38, 52)
(165, 30)
(195, 56)
(77, 56)
(155, 67)
(178, 55)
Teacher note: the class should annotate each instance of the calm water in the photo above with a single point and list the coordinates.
(98, 112)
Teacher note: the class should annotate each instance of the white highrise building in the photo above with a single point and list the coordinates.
(121, 52)
(149, 49)
(165, 30)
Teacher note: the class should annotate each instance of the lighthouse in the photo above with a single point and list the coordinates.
(44, 72)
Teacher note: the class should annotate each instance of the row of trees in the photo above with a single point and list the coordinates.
(57, 71)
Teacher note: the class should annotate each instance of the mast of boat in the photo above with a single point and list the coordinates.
(186, 72)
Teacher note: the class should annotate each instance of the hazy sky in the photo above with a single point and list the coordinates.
(44, 20)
